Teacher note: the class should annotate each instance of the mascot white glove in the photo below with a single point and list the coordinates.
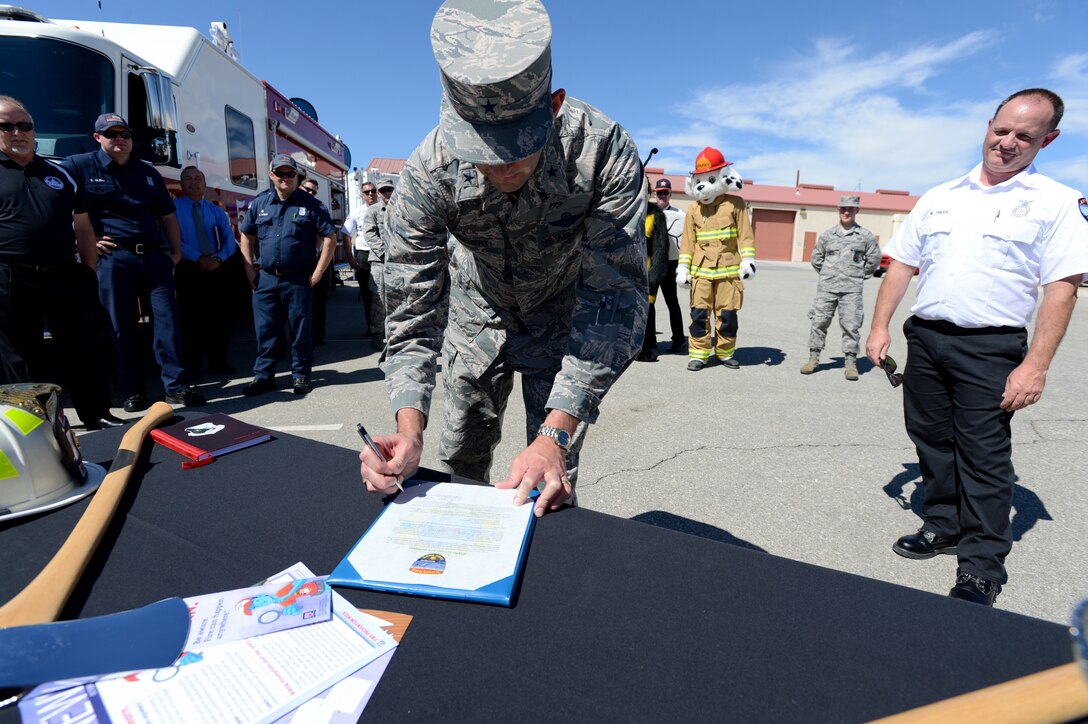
(683, 274)
(747, 269)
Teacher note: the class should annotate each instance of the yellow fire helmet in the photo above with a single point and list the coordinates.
(41, 467)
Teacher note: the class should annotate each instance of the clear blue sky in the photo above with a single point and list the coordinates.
(890, 94)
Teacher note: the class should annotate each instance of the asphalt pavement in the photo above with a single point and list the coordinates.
(814, 468)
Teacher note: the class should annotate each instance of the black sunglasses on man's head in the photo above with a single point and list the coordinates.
(888, 365)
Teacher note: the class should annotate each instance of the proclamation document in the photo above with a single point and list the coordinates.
(446, 540)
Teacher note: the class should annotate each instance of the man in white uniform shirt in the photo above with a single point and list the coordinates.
(359, 250)
(984, 243)
(675, 217)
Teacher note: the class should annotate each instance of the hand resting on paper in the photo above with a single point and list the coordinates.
(543, 460)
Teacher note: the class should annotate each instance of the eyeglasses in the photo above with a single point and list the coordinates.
(310, 190)
(847, 209)
(285, 174)
(664, 193)
(23, 126)
(888, 365)
(370, 192)
(116, 134)
(386, 190)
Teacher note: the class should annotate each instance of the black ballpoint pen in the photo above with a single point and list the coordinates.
(370, 444)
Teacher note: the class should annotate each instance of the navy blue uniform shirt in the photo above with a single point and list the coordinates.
(287, 231)
(36, 206)
(124, 202)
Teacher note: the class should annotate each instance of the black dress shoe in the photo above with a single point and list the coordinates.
(648, 354)
(135, 403)
(259, 386)
(109, 420)
(975, 589)
(924, 544)
(187, 397)
(300, 385)
(679, 346)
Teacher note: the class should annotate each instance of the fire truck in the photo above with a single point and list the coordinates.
(188, 99)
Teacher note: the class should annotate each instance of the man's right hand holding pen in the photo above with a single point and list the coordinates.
(402, 451)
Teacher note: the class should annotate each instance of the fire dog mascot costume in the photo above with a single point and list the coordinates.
(717, 250)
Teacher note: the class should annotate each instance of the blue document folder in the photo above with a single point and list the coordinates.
(443, 540)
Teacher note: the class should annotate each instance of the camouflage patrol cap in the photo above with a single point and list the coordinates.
(496, 66)
(847, 201)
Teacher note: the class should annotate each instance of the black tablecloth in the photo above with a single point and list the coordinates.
(615, 621)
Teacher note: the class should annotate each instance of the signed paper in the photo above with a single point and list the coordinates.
(442, 536)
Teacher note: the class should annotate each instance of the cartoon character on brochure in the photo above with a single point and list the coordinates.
(286, 598)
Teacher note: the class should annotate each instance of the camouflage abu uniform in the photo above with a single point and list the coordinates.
(549, 281)
(845, 258)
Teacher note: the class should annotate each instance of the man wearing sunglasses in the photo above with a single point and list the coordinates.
(130, 223)
(359, 251)
(515, 243)
(41, 283)
(373, 223)
(984, 244)
(674, 218)
(280, 233)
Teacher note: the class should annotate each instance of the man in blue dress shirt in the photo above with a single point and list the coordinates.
(129, 219)
(203, 277)
(279, 248)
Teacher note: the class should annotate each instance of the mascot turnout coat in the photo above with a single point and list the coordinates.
(717, 250)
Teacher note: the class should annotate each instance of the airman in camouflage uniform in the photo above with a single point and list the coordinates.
(845, 256)
(514, 241)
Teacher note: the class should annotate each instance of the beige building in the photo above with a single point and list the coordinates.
(786, 219)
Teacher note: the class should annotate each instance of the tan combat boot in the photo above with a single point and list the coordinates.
(813, 360)
(851, 368)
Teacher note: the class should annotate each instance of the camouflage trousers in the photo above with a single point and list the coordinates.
(475, 405)
(851, 316)
(714, 306)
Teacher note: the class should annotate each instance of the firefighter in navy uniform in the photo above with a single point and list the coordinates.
(40, 280)
(279, 235)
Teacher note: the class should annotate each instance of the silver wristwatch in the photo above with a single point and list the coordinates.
(562, 438)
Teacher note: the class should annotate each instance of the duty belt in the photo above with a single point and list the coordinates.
(136, 247)
(30, 266)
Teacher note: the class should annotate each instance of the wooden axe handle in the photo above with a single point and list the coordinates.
(1055, 695)
(44, 597)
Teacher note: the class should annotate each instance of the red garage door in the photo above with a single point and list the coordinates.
(774, 234)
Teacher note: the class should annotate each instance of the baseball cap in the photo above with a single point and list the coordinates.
(107, 121)
(280, 160)
(496, 66)
(663, 183)
(847, 201)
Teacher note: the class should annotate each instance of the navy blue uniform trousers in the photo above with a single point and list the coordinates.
(280, 300)
(952, 390)
(123, 277)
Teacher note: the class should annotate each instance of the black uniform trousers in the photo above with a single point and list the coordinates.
(668, 292)
(366, 290)
(952, 389)
(205, 313)
(65, 298)
(123, 278)
(285, 299)
(321, 293)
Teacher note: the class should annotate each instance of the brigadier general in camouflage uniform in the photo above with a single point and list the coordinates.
(845, 256)
(547, 276)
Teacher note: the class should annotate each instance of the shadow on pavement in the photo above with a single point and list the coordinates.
(686, 525)
(1028, 507)
(769, 356)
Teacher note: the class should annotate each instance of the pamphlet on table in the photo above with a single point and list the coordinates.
(255, 679)
(446, 540)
